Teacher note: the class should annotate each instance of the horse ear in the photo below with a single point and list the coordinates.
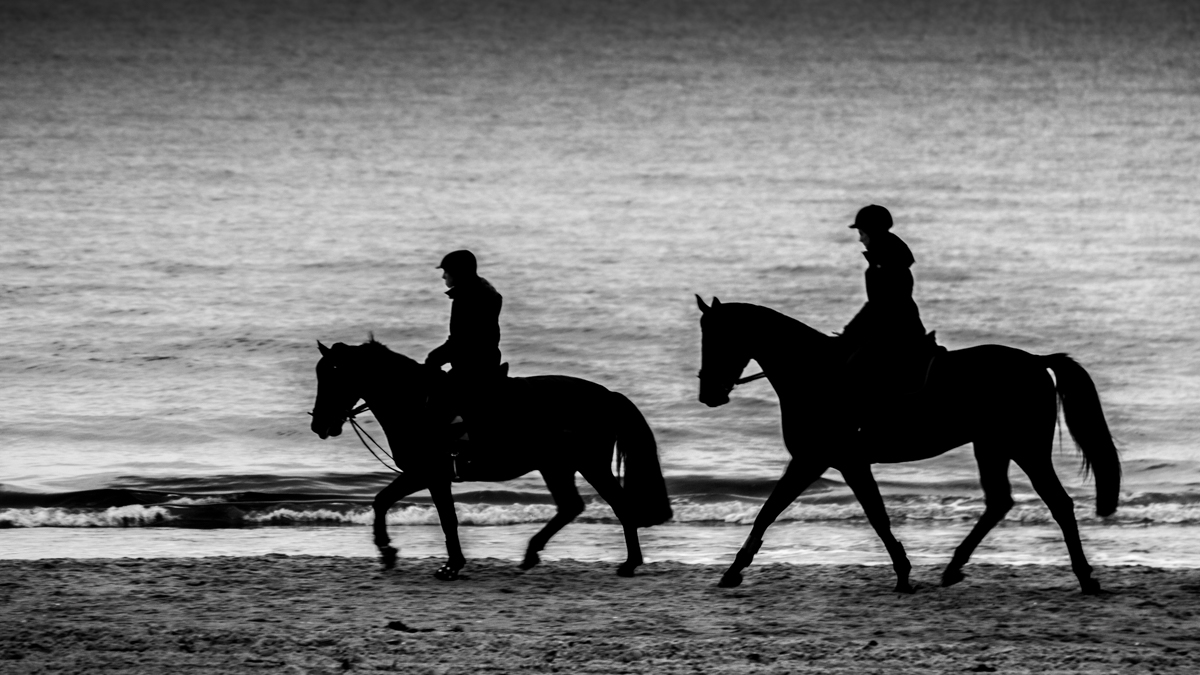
(700, 303)
(323, 348)
(716, 302)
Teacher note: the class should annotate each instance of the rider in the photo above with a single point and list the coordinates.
(473, 347)
(886, 340)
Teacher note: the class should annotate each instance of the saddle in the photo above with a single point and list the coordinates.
(882, 383)
(928, 353)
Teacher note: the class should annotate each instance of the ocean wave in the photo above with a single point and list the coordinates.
(116, 516)
(207, 513)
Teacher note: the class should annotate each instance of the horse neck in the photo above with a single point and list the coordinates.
(385, 384)
(777, 341)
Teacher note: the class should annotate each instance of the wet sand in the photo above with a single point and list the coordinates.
(324, 614)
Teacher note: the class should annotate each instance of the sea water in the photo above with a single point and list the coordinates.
(194, 195)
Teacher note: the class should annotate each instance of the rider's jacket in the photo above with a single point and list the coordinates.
(890, 316)
(474, 341)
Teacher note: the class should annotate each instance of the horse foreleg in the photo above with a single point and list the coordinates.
(993, 476)
(796, 478)
(611, 491)
(566, 497)
(1062, 507)
(443, 501)
(860, 479)
(398, 489)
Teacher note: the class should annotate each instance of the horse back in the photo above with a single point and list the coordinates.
(990, 389)
(567, 399)
(990, 363)
(987, 375)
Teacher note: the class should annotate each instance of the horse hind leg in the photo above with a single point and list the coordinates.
(566, 497)
(1045, 482)
(993, 477)
(610, 490)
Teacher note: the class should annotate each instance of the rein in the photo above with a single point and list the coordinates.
(744, 380)
(360, 432)
(749, 378)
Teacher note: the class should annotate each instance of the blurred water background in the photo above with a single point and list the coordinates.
(194, 193)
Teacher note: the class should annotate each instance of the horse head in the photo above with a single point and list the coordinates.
(335, 392)
(722, 359)
(390, 383)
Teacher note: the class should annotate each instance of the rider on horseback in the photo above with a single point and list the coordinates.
(473, 347)
(888, 350)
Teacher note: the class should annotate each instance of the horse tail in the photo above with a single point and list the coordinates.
(1085, 421)
(636, 448)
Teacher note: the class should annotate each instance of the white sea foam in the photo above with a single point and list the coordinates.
(117, 516)
(195, 501)
(917, 510)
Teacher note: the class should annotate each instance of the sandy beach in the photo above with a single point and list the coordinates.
(326, 614)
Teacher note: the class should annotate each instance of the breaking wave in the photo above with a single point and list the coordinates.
(511, 508)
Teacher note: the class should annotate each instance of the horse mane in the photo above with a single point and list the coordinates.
(375, 355)
(390, 359)
(779, 326)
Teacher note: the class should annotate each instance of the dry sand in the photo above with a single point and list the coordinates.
(309, 614)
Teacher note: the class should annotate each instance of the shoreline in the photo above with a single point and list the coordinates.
(307, 614)
(800, 543)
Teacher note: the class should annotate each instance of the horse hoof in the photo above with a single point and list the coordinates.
(951, 577)
(531, 560)
(905, 587)
(626, 570)
(446, 573)
(1090, 587)
(388, 555)
(730, 579)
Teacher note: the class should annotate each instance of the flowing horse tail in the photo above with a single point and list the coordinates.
(1085, 421)
(638, 451)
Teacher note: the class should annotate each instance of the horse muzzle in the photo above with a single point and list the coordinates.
(711, 394)
(324, 429)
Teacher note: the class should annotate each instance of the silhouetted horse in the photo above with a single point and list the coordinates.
(553, 424)
(998, 398)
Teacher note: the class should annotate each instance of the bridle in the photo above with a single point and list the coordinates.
(363, 436)
(361, 432)
(749, 378)
(739, 381)
(734, 383)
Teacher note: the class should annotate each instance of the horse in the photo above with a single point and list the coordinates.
(553, 424)
(1000, 399)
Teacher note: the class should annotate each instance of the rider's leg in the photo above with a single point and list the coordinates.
(477, 405)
